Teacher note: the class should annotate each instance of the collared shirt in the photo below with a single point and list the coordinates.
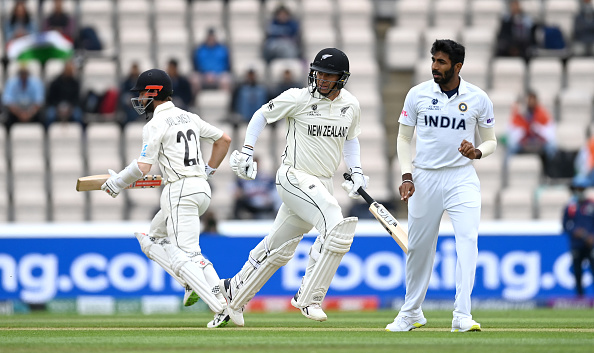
(172, 138)
(442, 123)
(31, 94)
(317, 128)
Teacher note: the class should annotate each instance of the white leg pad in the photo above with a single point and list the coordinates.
(337, 243)
(246, 285)
(193, 274)
(156, 253)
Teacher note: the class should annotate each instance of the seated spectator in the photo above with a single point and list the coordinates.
(531, 130)
(584, 164)
(516, 33)
(249, 96)
(63, 97)
(125, 104)
(23, 97)
(256, 199)
(60, 21)
(282, 36)
(287, 82)
(20, 22)
(583, 29)
(182, 90)
(212, 64)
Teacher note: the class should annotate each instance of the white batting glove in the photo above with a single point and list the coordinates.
(243, 164)
(114, 184)
(209, 171)
(358, 180)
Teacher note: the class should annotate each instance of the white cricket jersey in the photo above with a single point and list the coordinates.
(171, 138)
(316, 128)
(442, 123)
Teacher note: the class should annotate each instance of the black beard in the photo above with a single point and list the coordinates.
(446, 78)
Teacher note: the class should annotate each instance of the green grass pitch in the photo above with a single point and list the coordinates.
(542, 330)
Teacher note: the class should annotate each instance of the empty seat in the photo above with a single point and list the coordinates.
(213, 105)
(449, 13)
(576, 107)
(486, 13)
(502, 105)
(570, 136)
(545, 76)
(508, 74)
(516, 203)
(65, 148)
(489, 204)
(402, 47)
(524, 171)
(356, 13)
(475, 72)
(431, 34)
(104, 208)
(479, 43)
(580, 74)
(207, 13)
(103, 148)
(551, 202)
(277, 68)
(413, 14)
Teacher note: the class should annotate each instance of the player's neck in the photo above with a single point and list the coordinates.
(451, 85)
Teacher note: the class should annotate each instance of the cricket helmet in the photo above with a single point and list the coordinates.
(330, 61)
(158, 85)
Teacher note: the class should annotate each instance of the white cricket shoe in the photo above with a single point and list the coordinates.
(465, 325)
(312, 311)
(405, 323)
(235, 315)
(190, 297)
(220, 320)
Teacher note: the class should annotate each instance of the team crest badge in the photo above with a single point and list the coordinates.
(270, 105)
(344, 110)
(434, 101)
(462, 107)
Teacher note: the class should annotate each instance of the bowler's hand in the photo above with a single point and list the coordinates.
(406, 189)
(467, 150)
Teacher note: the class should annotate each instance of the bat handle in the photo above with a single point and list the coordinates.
(361, 192)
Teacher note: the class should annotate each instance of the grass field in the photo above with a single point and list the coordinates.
(542, 330)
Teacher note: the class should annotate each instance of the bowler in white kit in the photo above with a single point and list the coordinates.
(446, 111)
(172, 138)
(323, 122)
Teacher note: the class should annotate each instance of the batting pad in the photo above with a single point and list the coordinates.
(156, 253)
(193, 274)
(261, 271)
(337, 243)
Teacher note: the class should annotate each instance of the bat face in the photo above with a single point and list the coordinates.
(390, 224)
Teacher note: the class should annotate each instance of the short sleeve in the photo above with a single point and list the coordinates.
(281, 106)
(408, 116)
(151, 140)
(487, 117)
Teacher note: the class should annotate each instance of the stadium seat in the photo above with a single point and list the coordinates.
(104, 208)
(99, 14)
(488, 204)
(430, 34)
(207, 14)
(103, 147)
(99, 75)
(545, 77)
(580, 74)
(561, 13)
(244, 14)
(315, 38)
(402, 47)
(356, 14)
(524, 171)
(358, 43)
(277, 67)
(413, 14)
(502, 104)
(213, 105)
(508, 74)
(534, 8)
(4, 204)
(516, 203)
(551, 202)
(422, 71)
(475, 72)
(576, 107)
(449, 14)
(486, 14)
(316, 13)
(479, 43)
(570, 136)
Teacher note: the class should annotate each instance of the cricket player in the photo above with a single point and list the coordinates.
(446, 112)
(323, 124)
(172, 139)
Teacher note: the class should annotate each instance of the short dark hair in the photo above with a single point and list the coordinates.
(454, 50)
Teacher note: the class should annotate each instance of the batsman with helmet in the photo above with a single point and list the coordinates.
(323, 122)
(171, 138)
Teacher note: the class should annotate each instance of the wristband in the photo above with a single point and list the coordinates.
(247, 150)
(408, 181)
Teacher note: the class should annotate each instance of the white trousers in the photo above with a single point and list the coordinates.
(182, 204)
(307, 202)
(457, 191)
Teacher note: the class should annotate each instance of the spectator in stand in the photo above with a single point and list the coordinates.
(63, 97)
(578, 223)
(583, 29)
(19, 23)
(23, 97)
(212, 64)
(584, 163)
(60, 21)
(249, 96)
(516, 33)
(531, 129)
(125, 94)
(282, 36)
(256, 199)
(182, 90)
(287, 82)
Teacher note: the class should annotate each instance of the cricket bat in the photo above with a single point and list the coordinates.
(94, 182)
(385, 218)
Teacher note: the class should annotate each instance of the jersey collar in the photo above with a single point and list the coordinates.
(462, 89)
(163, 106)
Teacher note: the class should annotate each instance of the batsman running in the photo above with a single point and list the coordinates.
(446, 112)
(323, 124)
(172, 138)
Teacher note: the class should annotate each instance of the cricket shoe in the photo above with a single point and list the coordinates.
(235, 315)
(190, 297)
(220, 320)
(405, 323)
(312, 311)
(465, 324)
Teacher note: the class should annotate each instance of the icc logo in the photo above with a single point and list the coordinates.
(434, 101)
(314, 107)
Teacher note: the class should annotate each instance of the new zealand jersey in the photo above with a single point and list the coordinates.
(172, 138)
(442, 123)
(316, 128)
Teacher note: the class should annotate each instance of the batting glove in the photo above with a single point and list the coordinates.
(114, 184)
(243, 164)
(209, 171)
(358, 180)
